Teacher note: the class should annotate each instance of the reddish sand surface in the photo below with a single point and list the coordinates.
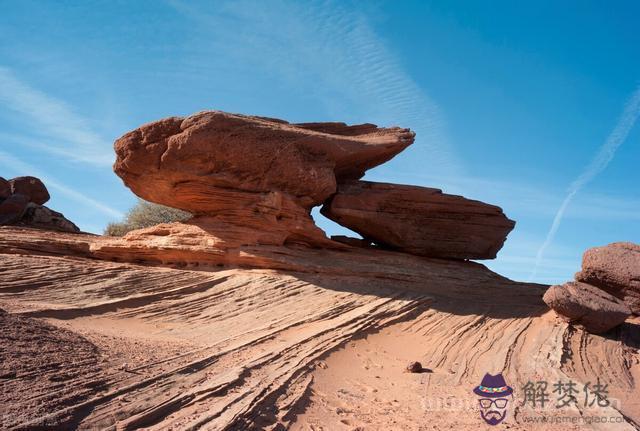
(94, 344)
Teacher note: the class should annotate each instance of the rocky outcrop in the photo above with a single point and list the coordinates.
(253, 181)
(31, 187)
(239, 348)
(420, 220)
(21, 203)
(249, 180)
(42, 217)
(5, 188)
(586, 305)
(614, 268)
(213, 162)
(12, 208)
(606, 290)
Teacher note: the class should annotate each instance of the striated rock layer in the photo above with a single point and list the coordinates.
(321, 344)
(419, 220)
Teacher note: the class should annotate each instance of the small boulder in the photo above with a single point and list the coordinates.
(414, 367)
(614, 268)
(31, 187)
(596, 310)
(12, 208)
(419, 220)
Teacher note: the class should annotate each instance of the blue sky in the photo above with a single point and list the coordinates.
(523, 105)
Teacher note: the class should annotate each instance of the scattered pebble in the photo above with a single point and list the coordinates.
(414, 367)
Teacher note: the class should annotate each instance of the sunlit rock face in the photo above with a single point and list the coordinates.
(615, 268)
(586, 305)
(253, 176)
(213, 161)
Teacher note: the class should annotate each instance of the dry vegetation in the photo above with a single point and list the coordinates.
(145, 214)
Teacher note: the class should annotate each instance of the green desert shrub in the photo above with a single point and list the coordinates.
(145, 214)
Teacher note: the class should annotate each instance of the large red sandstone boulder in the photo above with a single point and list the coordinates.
(212, 162)
(587, 305)
(12, 208)
(31, 187)
(419, 220)
(614, 268)
(5, 188)
(21, 202)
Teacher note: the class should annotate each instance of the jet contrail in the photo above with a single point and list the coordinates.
(597, 165)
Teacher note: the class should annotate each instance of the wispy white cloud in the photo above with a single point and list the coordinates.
(330, 53)
(604, 156)
(13, 164)
(59, 130)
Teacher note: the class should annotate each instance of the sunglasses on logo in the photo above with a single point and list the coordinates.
(500, 403)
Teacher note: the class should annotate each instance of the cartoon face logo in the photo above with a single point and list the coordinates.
(493, 395)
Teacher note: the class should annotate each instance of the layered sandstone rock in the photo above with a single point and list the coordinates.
(212, 162)
(12, 208)
(614, 268)
(31, 187)
(419, 220)
(587, 305)
(46, 218)
(606, 291)
(5, 188)
(238, 348)
(21, 202)
(248, 180)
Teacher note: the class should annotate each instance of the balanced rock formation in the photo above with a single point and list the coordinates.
(253, 181)
(212, 162)
(21, 203)
(614, 268)
(596, 310)
(248, 180)
(420, 220)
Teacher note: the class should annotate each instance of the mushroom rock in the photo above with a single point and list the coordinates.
(212, 162)
(5, 188)
(419, 220)
(248, 180)
(615, 268)
(596, 310)
(31, 187)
